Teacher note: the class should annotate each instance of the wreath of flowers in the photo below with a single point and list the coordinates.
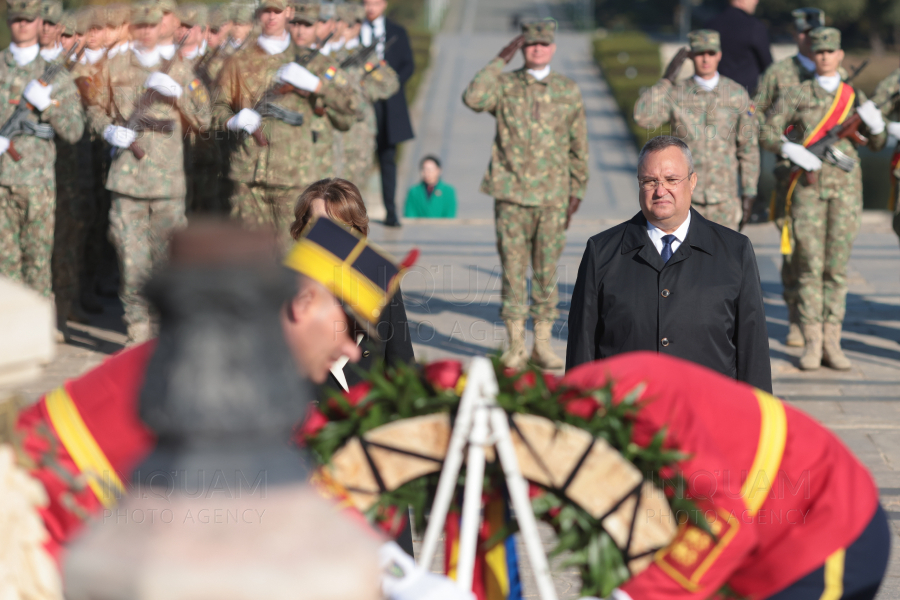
(406, 391)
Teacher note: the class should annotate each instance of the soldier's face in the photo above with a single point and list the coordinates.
(667, 205)
(49, 33)
(323, 28)
(374, 8)
(168, 26)
(303, 34)
(239, 31)
(538, 56)
(706, 63)
(24, 32)
(194, 35)
(274, 21)
(95, 38)
(828, 61)
(217, 36)
(146, 35)
(67, 41)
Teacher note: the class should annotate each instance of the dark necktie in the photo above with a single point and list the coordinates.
(667, 247)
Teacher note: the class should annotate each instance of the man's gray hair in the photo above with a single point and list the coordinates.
(661, 142)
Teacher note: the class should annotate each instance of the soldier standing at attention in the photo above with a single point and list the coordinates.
(51, 17)
(28, 186)
(241, 24)
(826, 204)
(714, 117)
(890, 109)
(537, 175)
(168, 28)
(148, 192)
(783, 79)
(269, 172)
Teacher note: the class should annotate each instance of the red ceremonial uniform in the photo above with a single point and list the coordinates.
(781, 493)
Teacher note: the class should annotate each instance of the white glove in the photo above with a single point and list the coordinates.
(4, 145)
(38, 94)
(163, 84)
(800, 156)
(894, 129)
(120, 137)
(402, 579)
(871, 116)
(246, 120)
(298, 76)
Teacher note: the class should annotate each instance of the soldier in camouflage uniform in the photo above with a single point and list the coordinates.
(147, 193)
(889, 104)
(117, 25)
(242, 24)
(826, 208)
(783, 79)
(220, 47)
(28, 186)
(714, 116)
(268, 178)
(51, 28)
(537, 175)
(373, 80)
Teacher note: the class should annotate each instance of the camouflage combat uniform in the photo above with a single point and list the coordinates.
(28, 187)
(720, 129)
(267, 180)
(148, 194)
(826, 214)
(539, 159)
(891, 111)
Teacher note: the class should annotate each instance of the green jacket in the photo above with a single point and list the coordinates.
(441, 205)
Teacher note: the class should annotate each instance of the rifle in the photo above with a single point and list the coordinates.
(139, 119)
(202, 66)
(18, 123)
(358, 59)
(77, 52)
(266, 108)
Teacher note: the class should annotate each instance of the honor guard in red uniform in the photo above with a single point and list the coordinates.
(793, 514)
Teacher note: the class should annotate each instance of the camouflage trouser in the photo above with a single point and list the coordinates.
(824, 230)
(789, 283)
(538, 233)
(68, 235)
(140, 228)
(357, 152)
(264, 206)
(26, 234)
(726, 213)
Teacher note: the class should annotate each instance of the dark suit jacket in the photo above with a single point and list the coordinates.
(745, 46)
(705, 305)
(392, 114)
(394, 347)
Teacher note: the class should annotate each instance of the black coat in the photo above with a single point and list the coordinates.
(745, 46)
(705, 305)
(392, 114)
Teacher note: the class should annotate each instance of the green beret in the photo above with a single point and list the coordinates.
(705, 40)
(306, 12)
(146, 13)
(808, 18)
(539, 32)
(825, 38)
(51, 11)
(23, 9)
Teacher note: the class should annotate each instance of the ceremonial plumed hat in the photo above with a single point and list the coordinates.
(825, 38)
(305, 12)
(146, 13)
(191, 15)
(539, 32)
(359, 274)
(23, 9)
(703, 40)
(327, 11)
(117, 14)
(808, 18)
(242, 13)
(68, 23)
(51, 11)
(218, 16)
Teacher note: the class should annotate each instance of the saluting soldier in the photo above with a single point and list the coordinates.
(537, 175)
(147, 192)
(886, 98)
(783, 79)
(28, 185)
(373, 80)
(714, 116)
(268, 172)
(117, 34)
(826, 207)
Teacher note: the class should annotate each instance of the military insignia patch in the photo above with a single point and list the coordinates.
(198, 91)
(329, 73)
(693, 551)
(752, 110)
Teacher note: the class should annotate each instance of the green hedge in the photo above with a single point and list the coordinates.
(629, 61)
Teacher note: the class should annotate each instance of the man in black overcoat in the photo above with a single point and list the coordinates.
(671, 281)
(391, 115)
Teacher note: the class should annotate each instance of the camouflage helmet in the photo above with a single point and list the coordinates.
(67, 22)
(219, 15)
(306, 12)
(51, 11)
(825, 38)
(23, 9)
(705, 40)
(242, 13)
(539, 32)
(117, 14)
(146, 13)
(192, 15)
(806, 19)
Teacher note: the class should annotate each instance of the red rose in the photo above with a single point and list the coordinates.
(551, 381)
(356, 394)
(585, 408)
(525, 381)
(313, 423)
(443, 374)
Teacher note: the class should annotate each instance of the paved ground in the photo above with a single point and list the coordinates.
(453, 294)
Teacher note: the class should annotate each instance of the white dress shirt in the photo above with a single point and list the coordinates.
(374, 30)
(656, 234)
(337, 369)
(539, 74)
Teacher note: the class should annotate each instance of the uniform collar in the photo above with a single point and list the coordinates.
(707, 84)
(24, 56)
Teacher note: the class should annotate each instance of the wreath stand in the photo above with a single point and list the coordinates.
(481, 422)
